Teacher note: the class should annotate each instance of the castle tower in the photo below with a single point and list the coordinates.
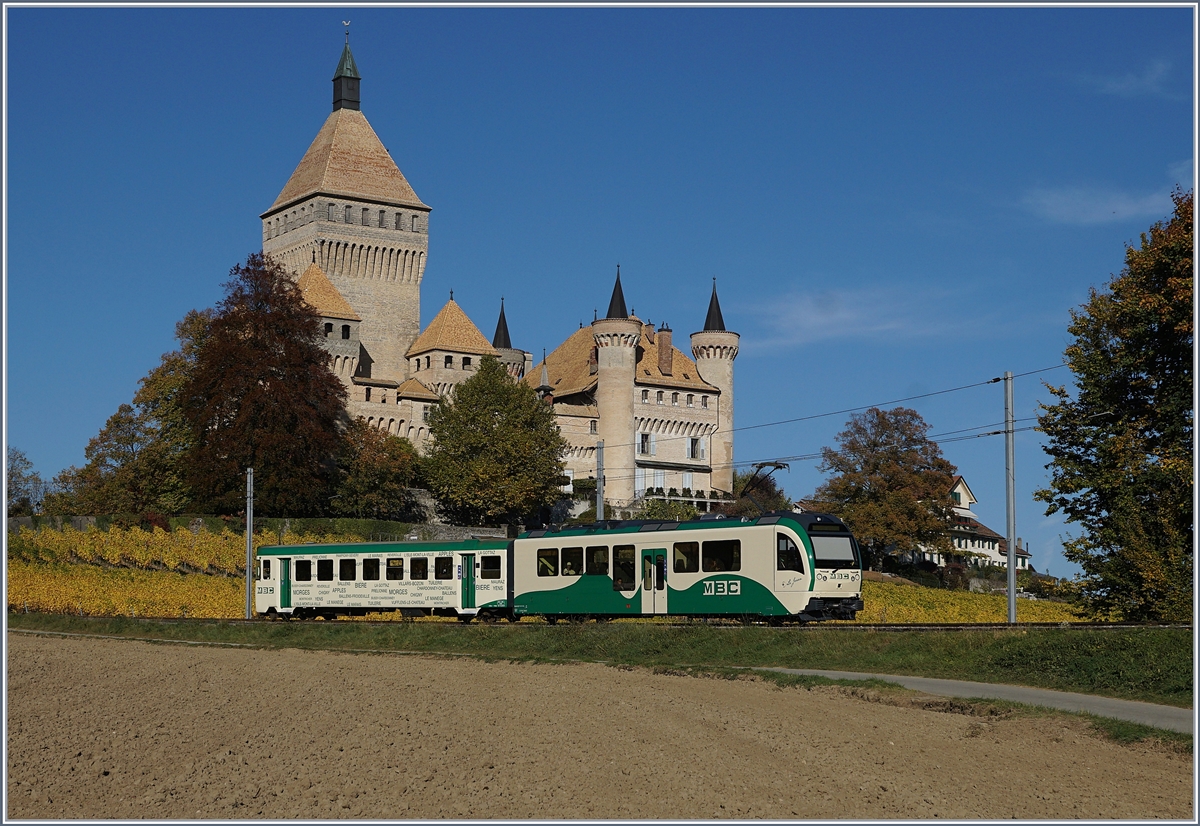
(348, 207)
(616, 338)
(512, 358)
(338, 320)
(714, 349)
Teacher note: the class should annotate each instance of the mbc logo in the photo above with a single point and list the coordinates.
(722, 587)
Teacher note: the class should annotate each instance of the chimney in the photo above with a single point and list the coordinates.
(666, 353)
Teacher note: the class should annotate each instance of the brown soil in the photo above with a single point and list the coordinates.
(119, 729)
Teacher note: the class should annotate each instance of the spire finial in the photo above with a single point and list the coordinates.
(452, 295)
(314, 256)
(346, 23)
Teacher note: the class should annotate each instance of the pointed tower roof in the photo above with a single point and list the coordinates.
(714, 322)
(347, 159)
(616, 305)
(452, 331)
(501, 341)
(346, 67)
(320, 294)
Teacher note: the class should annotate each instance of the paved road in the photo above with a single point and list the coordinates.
(1149, 714)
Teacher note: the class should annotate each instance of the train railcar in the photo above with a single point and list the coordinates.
(780, 566)
(462, 579)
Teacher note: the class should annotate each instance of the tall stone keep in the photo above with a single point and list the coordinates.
(348, 208)
(616, 337)
(714, 348)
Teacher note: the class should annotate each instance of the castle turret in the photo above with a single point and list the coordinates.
(513, 359)
(714, 348)
(616, 337)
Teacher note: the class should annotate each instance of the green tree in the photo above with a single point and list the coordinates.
(766, 492)
(261, 395)
(496, 454)
(375, 472)
(891, 484)
(25, 486)
(1120, 446)
(666, 509)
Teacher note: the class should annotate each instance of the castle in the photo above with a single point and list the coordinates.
(355, 234)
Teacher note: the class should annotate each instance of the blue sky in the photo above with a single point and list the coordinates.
(893, 201)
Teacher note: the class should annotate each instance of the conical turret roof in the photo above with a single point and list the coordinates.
(346, 67)
(320, 294)
(714, 322)
(452, 331)
(616, 305)
(347, 159)
(501, 341)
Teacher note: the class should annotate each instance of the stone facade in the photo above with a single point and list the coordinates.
(356, 235)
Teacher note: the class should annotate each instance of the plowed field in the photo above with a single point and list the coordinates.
(120, 729)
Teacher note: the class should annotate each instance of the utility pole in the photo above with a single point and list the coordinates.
(249, 540)
(1011, 491)
(600, 481)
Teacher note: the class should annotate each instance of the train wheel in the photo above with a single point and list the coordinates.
(465, 618)
(487, 617)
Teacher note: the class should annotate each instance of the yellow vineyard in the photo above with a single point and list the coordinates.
(885, 602)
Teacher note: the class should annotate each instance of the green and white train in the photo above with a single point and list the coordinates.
(781, 566)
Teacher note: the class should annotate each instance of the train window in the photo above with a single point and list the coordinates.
(597, 560)
(572, 561)
(266, 569)
(547, 562)
(324, 570)
(624, 568)
(833, 551)
(395, 569)
(443, 567)
(370, 569)
(303, 570)
(347, 568)
(418, 568)
(723, 555)
(489, 567)
(687, 557)
(787, 554)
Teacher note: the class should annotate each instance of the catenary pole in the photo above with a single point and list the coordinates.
(1011, 497)
(600, 481)
(249, 538)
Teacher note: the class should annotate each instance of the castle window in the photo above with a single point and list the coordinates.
(418, 368)
(695, 449)
(346, 331)
(675, 399)
(425, 413)
(466, 362)
(691, 400)
(399, 221)
(644, 443)
(382, 219)
(645, 397)
(704, 402)
(382, 400)
(365, 221)
(328, 329)
(427, 362)
(592, 428)
(449, 365)
(368, 396)
(414, 223)
(348, 214)
(659, 397)
(330, 214)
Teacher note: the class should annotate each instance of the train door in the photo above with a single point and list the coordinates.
(285, 583)
(467, 577)
(654, 581)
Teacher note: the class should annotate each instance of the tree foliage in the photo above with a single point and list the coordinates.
(891, 484)
(262, 395)
(135, 463)
(375, 472)
(666, 509)
(496, 455)
(766, 492)
(24, 485)
(1120, 447)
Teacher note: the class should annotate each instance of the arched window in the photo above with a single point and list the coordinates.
(418, 370)
(345, 331)
(449, 365)
(691, 400)
(368, 398)
(592, 427)
(645, 397)
(427, 362)
(704, 402)
(675, 399)
(382, 219)
(659, 397)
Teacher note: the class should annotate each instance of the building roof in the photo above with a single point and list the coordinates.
(714, 321)
(347, 159)
(501, 341)
(453, 332)
(570, 371)
(320, 294)
(415, 389)
(616, 304)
